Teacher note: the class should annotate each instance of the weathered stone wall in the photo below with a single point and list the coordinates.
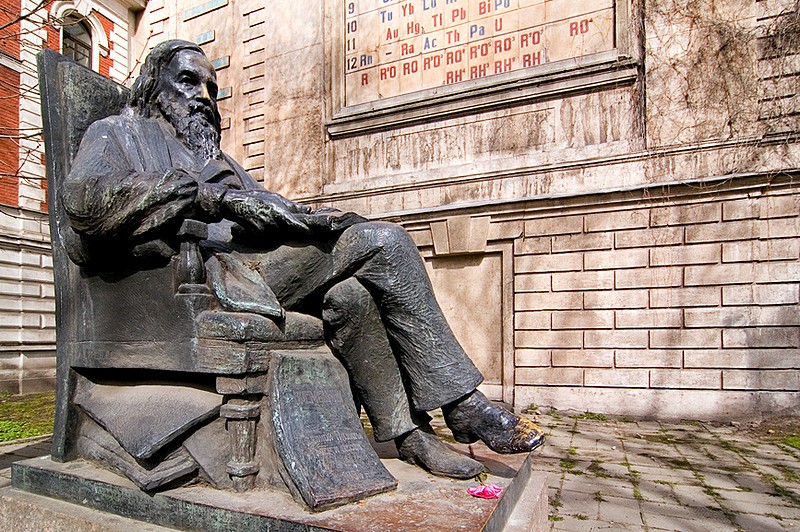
(656, 302)
(627, 228)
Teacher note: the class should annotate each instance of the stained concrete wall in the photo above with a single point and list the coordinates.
(633, 217)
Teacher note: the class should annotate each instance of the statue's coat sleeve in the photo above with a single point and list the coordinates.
(122, 183)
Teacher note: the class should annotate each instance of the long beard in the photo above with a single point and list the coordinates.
(195, 127)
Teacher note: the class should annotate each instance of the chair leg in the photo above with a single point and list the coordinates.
(241, 415)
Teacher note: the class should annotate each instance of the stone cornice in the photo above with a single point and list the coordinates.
(10, 62)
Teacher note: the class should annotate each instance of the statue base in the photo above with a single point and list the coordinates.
(45, 493)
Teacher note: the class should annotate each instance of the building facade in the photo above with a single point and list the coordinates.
(605, 192)
(97, 34)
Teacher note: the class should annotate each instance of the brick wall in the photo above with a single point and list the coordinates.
(9, 103)
(9, 129)
(779, 107)
(681, 293)
(105, 63)
(9, 36)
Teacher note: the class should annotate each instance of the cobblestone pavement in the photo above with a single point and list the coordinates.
(615, 474)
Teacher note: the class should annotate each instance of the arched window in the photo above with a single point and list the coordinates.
(76, 41)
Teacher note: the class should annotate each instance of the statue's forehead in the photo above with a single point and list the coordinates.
(190, 59)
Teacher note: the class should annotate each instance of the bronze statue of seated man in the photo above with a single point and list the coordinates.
(140, 174)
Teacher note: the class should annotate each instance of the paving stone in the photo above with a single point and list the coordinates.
(752, 482)
(750, 507)
(31, 450)
(558, 442)
(654, 473)
(551, 468)
(554, 453)
(717, 480)
(649, 452)
(649, 425)
(722, 430)
(603, 456)
(694, 496)
(668, 522)
(766, 459)
(762, 523)
(620, 510)
(684, 512)
(572, 524)
(607, 487)
(654, 492)
(611, 469)
(722, 455)
(791, 524)
(671, 452)
(753, 497)
(580, 502)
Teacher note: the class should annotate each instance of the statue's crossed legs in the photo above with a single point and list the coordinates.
(383, 322)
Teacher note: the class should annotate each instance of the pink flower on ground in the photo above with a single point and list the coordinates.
(488, 491)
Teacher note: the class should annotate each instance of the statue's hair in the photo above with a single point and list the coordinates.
(143, 92)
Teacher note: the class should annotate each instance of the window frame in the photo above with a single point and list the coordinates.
(81, 22)
(60, 9)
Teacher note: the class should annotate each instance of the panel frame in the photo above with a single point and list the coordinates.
(551, 80)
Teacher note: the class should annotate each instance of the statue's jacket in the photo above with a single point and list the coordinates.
(131, 186)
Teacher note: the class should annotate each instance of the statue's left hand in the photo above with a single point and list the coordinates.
(260, 211)
(330, 220)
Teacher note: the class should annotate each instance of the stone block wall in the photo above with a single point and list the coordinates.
(669, 302)
(27, 303)
(677, 295)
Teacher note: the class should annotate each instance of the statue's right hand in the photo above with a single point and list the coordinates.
(260, 211)
(176, 184)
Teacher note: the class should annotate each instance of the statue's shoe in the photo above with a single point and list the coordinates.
(476, 418)
(423, 448)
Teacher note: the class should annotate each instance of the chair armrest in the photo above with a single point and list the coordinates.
(191, 270)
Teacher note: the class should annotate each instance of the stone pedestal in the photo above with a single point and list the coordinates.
(45, 492)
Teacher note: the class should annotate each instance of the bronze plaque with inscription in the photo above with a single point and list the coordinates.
(319, 435)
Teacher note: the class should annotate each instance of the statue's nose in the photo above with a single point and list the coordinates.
(204, 92)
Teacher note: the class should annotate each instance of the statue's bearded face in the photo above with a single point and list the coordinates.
(187, 97)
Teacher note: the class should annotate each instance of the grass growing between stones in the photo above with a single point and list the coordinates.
(568, 466)
(25, 416)
(591, 415)
(663, 439)
(596, 468)
(788, 473)
(792, 441)
(556, 503)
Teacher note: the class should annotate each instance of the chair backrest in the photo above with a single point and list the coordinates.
(73, 97)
